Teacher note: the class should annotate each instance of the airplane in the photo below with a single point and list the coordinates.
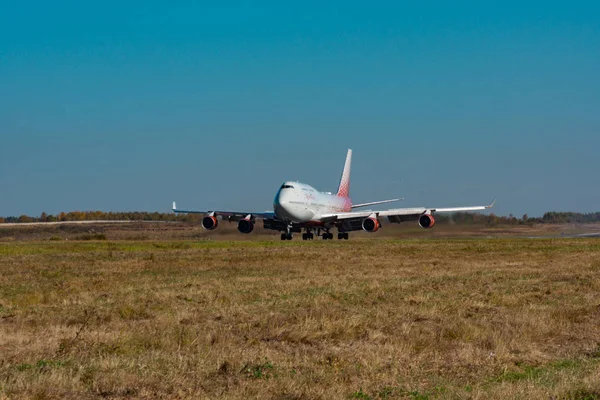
(299, 207)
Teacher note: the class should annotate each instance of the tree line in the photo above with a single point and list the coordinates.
(551, 217)
(462, 218)
(104, 216)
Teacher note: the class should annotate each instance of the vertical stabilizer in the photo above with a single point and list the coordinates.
(344, 189)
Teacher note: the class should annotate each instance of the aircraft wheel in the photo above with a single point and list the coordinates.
(340, 236)
(345, 235)
(283, 236)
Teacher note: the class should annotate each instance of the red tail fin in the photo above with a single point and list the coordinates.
(344, 189)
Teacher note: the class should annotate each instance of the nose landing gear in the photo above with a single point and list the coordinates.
(288, 234)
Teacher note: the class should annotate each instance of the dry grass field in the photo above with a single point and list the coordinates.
(364, 319)
(184, 231)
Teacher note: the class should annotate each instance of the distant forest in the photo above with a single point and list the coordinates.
(457, 218)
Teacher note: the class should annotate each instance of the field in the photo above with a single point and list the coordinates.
(140, 316)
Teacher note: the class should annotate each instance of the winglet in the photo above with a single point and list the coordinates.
(174, 206)
(491, 205)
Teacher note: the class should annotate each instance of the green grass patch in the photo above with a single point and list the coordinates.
(41, 365)
(261, 370)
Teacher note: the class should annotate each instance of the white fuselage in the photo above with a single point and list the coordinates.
(298, 202)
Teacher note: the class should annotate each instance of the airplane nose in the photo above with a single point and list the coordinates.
(279, 199)
(282, 206)
(284, 200)
(290, 209)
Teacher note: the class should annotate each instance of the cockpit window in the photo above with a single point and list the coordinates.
(284, 186)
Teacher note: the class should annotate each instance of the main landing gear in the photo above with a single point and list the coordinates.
(309, 235)
(327, 236)
(340, 236)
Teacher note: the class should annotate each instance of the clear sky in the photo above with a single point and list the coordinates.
(130, 105)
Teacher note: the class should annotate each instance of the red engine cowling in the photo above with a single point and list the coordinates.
(426, 221)
(210, 222)
(245, 226)
(371, 224)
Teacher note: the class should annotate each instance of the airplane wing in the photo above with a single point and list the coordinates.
(227, 215)
(398, 214)
(373, 203)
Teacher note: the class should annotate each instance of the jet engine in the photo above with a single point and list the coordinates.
(426, 221)
(245, 225)
(371, 224)
(210, 222)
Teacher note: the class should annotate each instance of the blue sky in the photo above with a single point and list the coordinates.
(131, 105)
